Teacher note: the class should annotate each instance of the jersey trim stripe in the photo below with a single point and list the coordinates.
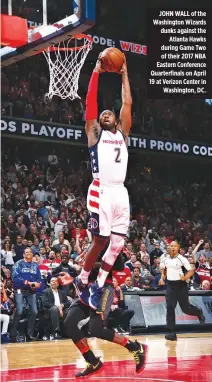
(94, 193)
(93, 204)
(96, 183)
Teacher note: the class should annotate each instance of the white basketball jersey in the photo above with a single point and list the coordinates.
(109, 158)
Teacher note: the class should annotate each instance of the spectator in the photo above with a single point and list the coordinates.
(204, 271)
(62, 269)
(53, 159)
(60, 226)
(52, 262)
(121, 276)
(45, 274)
(128, 285)
(131, 263)
(156, 253)
(55, 302)
(143, 253)
(36, 246)
(32, 234)
(137, 279)
(19, 248)
(58, 243)
(128, 250)
(39, 194)
(146, 275)
(79, 230)
(4, 315)
(8, 255)
(12, 229)
(155, 268)
(119, 317)
(27, 278)
(207, 251)
(21, 227)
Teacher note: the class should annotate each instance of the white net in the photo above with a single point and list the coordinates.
(65, 62)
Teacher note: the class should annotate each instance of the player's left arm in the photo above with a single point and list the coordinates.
(125, 113)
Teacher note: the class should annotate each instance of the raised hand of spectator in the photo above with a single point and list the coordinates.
(161, 282)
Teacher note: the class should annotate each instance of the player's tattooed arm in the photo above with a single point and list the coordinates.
(93, 131)
(96, 131)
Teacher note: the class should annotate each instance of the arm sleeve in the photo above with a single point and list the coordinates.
(91, 98)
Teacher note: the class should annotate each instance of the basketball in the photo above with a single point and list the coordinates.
(112, 60)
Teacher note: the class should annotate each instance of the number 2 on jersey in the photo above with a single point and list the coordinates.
(118, 151)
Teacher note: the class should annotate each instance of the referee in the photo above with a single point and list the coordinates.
(177, 288)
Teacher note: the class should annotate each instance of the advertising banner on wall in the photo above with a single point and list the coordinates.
(151, 310)
(76, 134)
(154, 310)
(125, 46)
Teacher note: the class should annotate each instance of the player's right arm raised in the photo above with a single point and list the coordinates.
(92, 127)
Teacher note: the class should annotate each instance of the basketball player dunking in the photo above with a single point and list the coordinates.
(107, 201)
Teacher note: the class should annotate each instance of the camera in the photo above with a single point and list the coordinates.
(33, 285)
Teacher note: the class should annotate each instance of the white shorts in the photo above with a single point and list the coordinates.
(109, 209)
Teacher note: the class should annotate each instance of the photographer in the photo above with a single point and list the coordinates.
(27, 278)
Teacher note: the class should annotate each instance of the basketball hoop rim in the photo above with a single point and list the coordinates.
(63, 49)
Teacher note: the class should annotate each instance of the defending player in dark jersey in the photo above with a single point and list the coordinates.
(79, 311)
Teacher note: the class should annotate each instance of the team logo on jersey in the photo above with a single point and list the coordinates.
(93, 223)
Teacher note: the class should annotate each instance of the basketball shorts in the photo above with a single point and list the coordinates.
(109, 209)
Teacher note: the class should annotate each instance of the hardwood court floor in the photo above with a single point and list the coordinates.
(187, 360)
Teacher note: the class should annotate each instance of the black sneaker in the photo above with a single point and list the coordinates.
(140, 356)
(201, 317)
(30, 338)
(57, 336)
(171, 336)
(122, 331)
(89, 369)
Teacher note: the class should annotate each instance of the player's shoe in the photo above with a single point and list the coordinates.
(89, 369)
(83, 291)
(139, 352)
(95, 297)
(171, 336)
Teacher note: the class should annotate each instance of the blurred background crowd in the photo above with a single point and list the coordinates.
(25, 84)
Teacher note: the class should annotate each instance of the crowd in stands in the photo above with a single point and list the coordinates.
(25, 84)
(45, 229)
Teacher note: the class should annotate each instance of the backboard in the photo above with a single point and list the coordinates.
(74, 16)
